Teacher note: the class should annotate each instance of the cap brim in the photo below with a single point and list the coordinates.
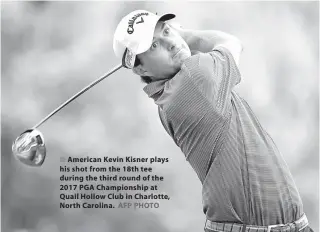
(167, 17)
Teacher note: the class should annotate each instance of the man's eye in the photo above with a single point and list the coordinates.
(154, 45)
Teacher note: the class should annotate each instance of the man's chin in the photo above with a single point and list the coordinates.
(171, 75)
(175, 69)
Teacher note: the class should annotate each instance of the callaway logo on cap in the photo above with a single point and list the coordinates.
(131, 22)
(134, 35)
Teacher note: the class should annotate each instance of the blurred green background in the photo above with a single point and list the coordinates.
(50, 50)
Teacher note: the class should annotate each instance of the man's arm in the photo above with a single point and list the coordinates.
(205, 40)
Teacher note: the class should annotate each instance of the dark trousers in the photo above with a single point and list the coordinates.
(307, 229)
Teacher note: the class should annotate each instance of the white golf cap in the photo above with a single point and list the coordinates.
(134, 35)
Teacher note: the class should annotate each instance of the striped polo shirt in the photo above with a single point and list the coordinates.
(244, 177)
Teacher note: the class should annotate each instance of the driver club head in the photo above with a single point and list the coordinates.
(30, 148)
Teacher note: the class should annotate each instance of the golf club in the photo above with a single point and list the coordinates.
(30, 147)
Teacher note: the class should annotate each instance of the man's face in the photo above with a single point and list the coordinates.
(166, 54)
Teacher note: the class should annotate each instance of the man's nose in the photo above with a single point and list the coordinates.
(169, 44)
(172, 47)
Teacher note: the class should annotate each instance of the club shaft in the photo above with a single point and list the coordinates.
(78, 94)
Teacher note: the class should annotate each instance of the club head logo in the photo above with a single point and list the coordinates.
(131, 21)
(128, 59)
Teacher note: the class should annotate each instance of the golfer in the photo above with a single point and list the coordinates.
(190, 75)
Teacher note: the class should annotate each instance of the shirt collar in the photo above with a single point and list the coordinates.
(154, 87)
